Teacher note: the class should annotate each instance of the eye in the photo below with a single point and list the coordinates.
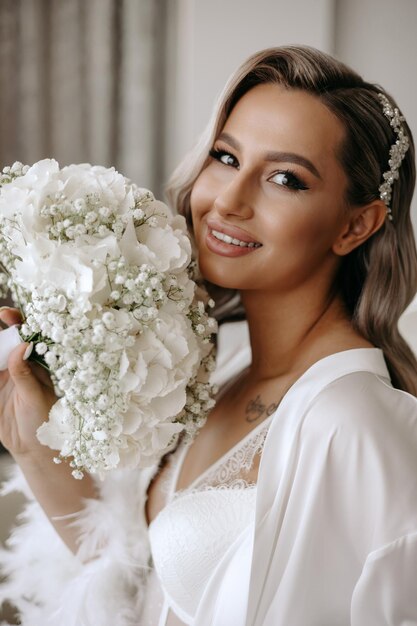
(287, 178)
(224, 157)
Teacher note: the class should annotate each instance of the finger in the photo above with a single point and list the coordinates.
(41, 374)
(21, 374)
(10, 316)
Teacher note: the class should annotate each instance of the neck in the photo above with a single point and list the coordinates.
(288, 332)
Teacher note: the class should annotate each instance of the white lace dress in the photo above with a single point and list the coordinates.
(197, 526)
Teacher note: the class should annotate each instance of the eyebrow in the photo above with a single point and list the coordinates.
(288, 157)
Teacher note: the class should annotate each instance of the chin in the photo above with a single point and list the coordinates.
(220, 277)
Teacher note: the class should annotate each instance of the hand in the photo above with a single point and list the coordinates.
(26, 397)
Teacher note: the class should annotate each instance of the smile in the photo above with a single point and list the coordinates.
(234, 241)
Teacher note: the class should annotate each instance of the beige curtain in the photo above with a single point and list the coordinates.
(82, 81)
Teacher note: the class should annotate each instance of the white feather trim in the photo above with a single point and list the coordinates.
(103, 585)
(52, 587)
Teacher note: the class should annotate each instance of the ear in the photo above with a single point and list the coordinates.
(361, 223)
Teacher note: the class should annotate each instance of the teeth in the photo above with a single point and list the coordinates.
(233, 240)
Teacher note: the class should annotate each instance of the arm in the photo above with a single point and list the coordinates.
(25, 400)
(56, 490)
(106, 525)
(48, 584)
(338, 484)
(385, 594)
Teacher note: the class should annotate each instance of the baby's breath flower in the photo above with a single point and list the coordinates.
(41, 348)
(99, 435)
(79, 205)
(108, 319)
(103, 231)
(105, 211)
(57, 334)
(24, 329)
(88, 358)
(103, 401)
(115, 335)
(138, 214)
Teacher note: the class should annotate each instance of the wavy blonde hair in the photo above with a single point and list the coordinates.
(379, 278)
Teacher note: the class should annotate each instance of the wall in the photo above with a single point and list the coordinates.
(207, 40)
(378, 39)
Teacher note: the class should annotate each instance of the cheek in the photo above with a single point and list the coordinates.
(304, 239)
(290, 227)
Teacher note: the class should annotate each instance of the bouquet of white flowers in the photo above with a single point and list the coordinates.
(102, 273)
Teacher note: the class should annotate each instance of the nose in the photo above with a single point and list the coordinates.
(235, 197)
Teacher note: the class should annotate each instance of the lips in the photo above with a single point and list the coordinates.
(233, 240)
(229, 241)
(231, 234)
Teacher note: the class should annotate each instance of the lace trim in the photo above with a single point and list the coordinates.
(229, 471)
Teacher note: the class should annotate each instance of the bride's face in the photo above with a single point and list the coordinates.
(269, 205)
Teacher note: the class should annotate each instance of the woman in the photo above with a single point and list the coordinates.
(299, 200)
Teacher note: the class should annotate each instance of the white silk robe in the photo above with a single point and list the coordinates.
(335, 538)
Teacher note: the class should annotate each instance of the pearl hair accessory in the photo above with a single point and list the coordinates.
(396, 153)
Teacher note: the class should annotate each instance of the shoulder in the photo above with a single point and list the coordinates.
(357, 447)
(365, 427)
(364, 431)
(344, 454)
(364, 405)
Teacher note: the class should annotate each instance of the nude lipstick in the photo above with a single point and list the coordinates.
(229, 240)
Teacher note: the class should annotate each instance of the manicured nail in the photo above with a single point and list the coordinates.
(3, 308)
(28, 351)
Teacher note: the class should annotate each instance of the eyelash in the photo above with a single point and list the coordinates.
(294, 182)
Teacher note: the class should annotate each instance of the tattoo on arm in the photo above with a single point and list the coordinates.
(255, 409)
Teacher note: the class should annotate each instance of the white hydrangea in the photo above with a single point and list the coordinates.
(103, 272)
